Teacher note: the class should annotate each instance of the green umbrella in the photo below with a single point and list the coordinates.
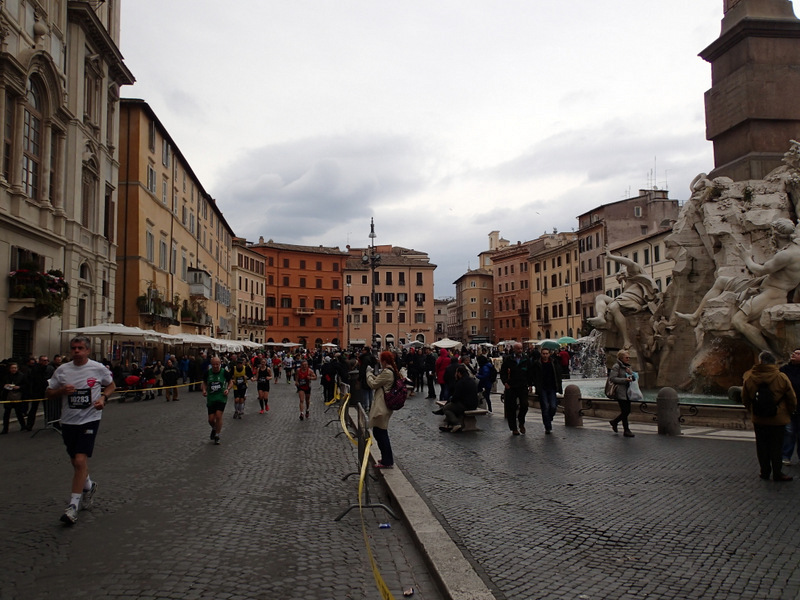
(567, 340)
(550, 344)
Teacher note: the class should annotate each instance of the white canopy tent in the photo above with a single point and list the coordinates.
(447, 344)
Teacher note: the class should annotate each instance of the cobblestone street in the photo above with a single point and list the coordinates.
(177, 517)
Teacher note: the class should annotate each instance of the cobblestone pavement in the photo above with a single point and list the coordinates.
(177, 517)
(587, 514)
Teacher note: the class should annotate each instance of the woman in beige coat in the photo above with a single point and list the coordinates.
(379, 413)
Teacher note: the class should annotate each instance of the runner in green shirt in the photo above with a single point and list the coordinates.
(215, 387)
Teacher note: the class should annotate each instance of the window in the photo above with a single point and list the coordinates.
(419, 278)
(32, 142)
(173, 264)
(336, 270)
(151, 179)
(302, 282)
(270, 301)
(363, 280)
(165, 153)
(285, 263)
(319, 283)
(151, 136)
(302, 321)
(286, 302)
(401, 278)
(419, 317)
(388, 317)
(656, 253)
(162, 254)
(336, 284)
(419, 299)
(286, 281)
(319, 268)
(302, 264)
(388, 278)
(401, 317)
(184, 265)
(285, 321)
(637, 211)
(473, 300)
(149, 242)
(647, 256)
(348, 279)
(88, 197)
(319, 303)
(363, 300)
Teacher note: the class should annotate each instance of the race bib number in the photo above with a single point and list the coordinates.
(240, 381)
(80, 398)
(215, 387)
(302, 382)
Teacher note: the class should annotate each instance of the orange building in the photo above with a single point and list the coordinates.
(303, 293)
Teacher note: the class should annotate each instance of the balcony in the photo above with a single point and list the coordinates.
(524, 312)
(45, 293)
(248, 322)
(304, 311)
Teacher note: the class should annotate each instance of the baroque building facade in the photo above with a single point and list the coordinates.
(61, 71)
(176, 248)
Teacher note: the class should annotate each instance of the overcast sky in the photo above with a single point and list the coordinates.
(442, 119)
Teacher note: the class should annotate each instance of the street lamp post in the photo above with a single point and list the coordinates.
(347, 301)
(373, 260)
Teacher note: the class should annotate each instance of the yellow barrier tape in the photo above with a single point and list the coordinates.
(342, 420)
(336, 395)
(117, 391)
(382, 587)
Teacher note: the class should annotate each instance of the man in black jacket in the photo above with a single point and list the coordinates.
(516, 373)
(170, 376)
(547, 379)
(464, 397)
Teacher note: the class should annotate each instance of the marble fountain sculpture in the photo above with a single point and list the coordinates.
(734, 290)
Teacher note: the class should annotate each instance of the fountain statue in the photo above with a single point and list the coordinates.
(734, 291)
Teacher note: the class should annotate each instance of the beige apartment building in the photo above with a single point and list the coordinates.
(647, 251)
(555, 299)
(249, 277)
(440, 317)
(175, 260)
(474, 294)
(402, 308)
(61, 71)
(613, 224)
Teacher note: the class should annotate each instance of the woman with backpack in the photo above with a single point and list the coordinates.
(379, 413)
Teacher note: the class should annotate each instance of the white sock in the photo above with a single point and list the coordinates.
(87, 485)
(75, 500)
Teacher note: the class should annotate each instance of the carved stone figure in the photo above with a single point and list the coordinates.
(639, 293)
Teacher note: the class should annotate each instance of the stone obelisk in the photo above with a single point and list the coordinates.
(753, 106)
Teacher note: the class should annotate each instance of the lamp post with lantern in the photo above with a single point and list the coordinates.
(372, 259)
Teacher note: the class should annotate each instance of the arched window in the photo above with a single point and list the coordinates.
(88, 194)
(84, 273)
(32, 142)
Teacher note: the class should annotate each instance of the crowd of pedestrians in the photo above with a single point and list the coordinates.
(466, 380)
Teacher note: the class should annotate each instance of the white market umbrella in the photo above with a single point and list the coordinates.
(447, 344)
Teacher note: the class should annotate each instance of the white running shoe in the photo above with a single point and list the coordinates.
(88, 497)
(70, 516)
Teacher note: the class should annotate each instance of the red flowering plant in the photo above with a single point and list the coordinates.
(49, 290)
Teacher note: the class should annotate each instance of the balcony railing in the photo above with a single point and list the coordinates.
(304, 311)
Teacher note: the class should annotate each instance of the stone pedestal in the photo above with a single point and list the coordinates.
(668, 412)
(572, 406)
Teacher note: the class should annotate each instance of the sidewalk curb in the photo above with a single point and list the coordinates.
(456, 577)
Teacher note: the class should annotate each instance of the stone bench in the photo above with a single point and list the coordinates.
(468, 420)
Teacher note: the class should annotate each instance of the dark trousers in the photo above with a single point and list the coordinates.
(431, 388)
(622, 417)
(549, 405)
(19, 411)
(769, 441)
(453, 411)
(515, 401)
(487, 397)
(32, 410)
(384, 445)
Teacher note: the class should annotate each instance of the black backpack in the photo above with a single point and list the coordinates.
(764, 404)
